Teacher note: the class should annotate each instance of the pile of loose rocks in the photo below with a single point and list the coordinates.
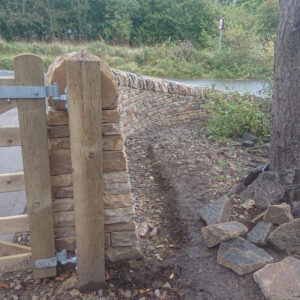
(242, 251)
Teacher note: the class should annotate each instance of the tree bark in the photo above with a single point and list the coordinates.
(285, 134)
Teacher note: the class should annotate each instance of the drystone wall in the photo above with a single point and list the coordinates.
(146, 102)
(130, 104)
(121, 240)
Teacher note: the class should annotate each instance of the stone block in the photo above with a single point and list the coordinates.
(278, 214)
(215, 234)
(125, 238)
(242, 257)
(286, 237)
(114, 254)
(111, 128)
(118, 215)
(114, 161)
(62, 192)
(61, 180)
(60, 162)
(280, 281)
(118, 201)
(259, 234)
(116, 188)
(55, 118)
(58, 131)
(217, 211)
(63, 204)
(268, 188)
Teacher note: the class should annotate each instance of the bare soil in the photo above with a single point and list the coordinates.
(174, 172)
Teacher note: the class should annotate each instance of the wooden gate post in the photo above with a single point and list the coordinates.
(85, 117)
(29, 71)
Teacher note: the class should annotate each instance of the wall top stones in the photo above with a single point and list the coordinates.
(141, 82)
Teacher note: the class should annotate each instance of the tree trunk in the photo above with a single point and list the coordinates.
(285, 135)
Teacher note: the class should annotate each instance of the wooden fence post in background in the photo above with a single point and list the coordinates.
(29, 71)
(85, 117)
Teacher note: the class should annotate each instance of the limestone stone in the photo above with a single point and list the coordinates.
(110, 116)
(215, 234)
(118, 201)
(242, 256)
(217, 211)
(55, 118)
(60, 162)
(64, 232)
(115, 177)
(58, 131)
(278, 214)
(286, 237)
(63, 219)
(125, 238)
(62, 192)
(118, 215)
(280, 280)
(68, 243)
(116, 188)
(63, 204)
(268, 188)
(59, 143)
(61, 180)
(112, 142)
(119, 227)
(114, 254)
(259, 234)
(111, 128)
(114, 161)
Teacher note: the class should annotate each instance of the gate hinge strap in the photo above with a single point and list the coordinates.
(31, 92)
(61, 257)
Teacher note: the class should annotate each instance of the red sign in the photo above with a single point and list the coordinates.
(221, 23)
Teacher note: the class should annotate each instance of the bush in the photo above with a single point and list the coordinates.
(236, 114)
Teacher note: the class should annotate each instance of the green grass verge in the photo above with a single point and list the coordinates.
(165, 60)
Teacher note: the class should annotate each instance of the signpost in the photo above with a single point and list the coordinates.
(221, 27)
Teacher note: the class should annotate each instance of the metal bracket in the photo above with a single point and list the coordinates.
(33, 92)
(61, 257)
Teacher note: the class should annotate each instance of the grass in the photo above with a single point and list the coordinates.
(165, 60)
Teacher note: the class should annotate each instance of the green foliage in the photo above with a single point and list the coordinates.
(233, 116)
(267, 19)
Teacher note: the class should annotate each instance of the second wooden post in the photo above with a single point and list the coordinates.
(85, 117)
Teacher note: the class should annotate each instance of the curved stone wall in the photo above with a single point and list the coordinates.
(149, 102)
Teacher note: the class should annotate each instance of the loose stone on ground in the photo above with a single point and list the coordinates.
(268, 188)
(286, 237)
(217, 211)
(280, 280)
(278, 214)
(215, 234)
(259, 234)
(242, 256)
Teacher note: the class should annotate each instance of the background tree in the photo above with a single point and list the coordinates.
(285, 136)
